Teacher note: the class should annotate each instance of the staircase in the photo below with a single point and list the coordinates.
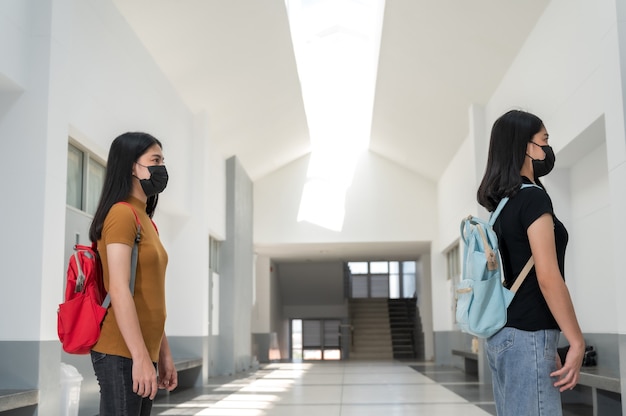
(406, 329)
(371, 334)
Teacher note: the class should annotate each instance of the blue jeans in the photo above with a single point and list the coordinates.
(521, 363)
(115, 377)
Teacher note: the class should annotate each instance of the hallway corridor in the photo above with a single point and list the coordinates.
(343, 388)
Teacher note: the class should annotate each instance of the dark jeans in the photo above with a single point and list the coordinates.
(115, 377)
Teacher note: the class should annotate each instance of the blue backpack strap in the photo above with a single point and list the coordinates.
(503, 201)
(530, 185)
(494, 214)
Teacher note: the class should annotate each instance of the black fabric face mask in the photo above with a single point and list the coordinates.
(157, 181)
(545, 166)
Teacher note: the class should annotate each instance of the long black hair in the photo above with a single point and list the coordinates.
(510, 135)
(125, 150)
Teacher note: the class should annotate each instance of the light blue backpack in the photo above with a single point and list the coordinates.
(481, 298)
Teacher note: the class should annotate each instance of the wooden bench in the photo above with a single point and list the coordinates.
(605, 387)
(16, 399)
(470, 360)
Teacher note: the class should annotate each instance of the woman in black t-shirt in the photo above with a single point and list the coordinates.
(527, 374)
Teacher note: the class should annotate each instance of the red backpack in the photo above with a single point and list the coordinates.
(86, 302)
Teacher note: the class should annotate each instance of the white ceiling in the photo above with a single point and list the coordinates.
(234, 60)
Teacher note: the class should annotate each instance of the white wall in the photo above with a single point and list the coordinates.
(186, 238)
(591, 277)
(217, 191)
(457, 194)
(15, 28)
(33, 159)
(384, 203)
(117, 87)
(560, 74)
(456, 200)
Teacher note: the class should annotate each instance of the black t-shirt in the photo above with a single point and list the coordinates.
(528, 311)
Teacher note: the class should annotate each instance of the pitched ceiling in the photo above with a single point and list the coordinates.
(234, 60)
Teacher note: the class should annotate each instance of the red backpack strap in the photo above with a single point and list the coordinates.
(137, 219)
(138, 237)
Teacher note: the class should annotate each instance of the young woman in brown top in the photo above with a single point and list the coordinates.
(132, 344)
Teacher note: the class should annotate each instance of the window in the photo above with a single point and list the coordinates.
(382, 279)
(379, 286)
(453, 263)
(379, 267)
(214, 254)
(394, 280)
(85, 178)
(214, 285)
(453, 273)
(409, 279)
(360, 267)
(74, 177)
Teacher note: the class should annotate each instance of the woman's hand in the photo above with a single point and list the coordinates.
(144, 377)
(569, 373)
(168, 376)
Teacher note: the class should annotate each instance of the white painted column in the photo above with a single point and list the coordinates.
(33, 164)
(615, 117)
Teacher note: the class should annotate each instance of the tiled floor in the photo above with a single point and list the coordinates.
(346, 388)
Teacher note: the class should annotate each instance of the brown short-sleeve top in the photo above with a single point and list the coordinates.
(120, 227)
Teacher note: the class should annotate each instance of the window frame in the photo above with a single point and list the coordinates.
(370, 277)
(87, 159)
(215, 248)
(453, 262)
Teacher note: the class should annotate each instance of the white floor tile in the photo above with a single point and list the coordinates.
(398, 394)
(386, 378)
(298, 410)
(314, 395)
(441, 409)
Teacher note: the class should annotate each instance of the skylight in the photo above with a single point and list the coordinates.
(336, 44)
